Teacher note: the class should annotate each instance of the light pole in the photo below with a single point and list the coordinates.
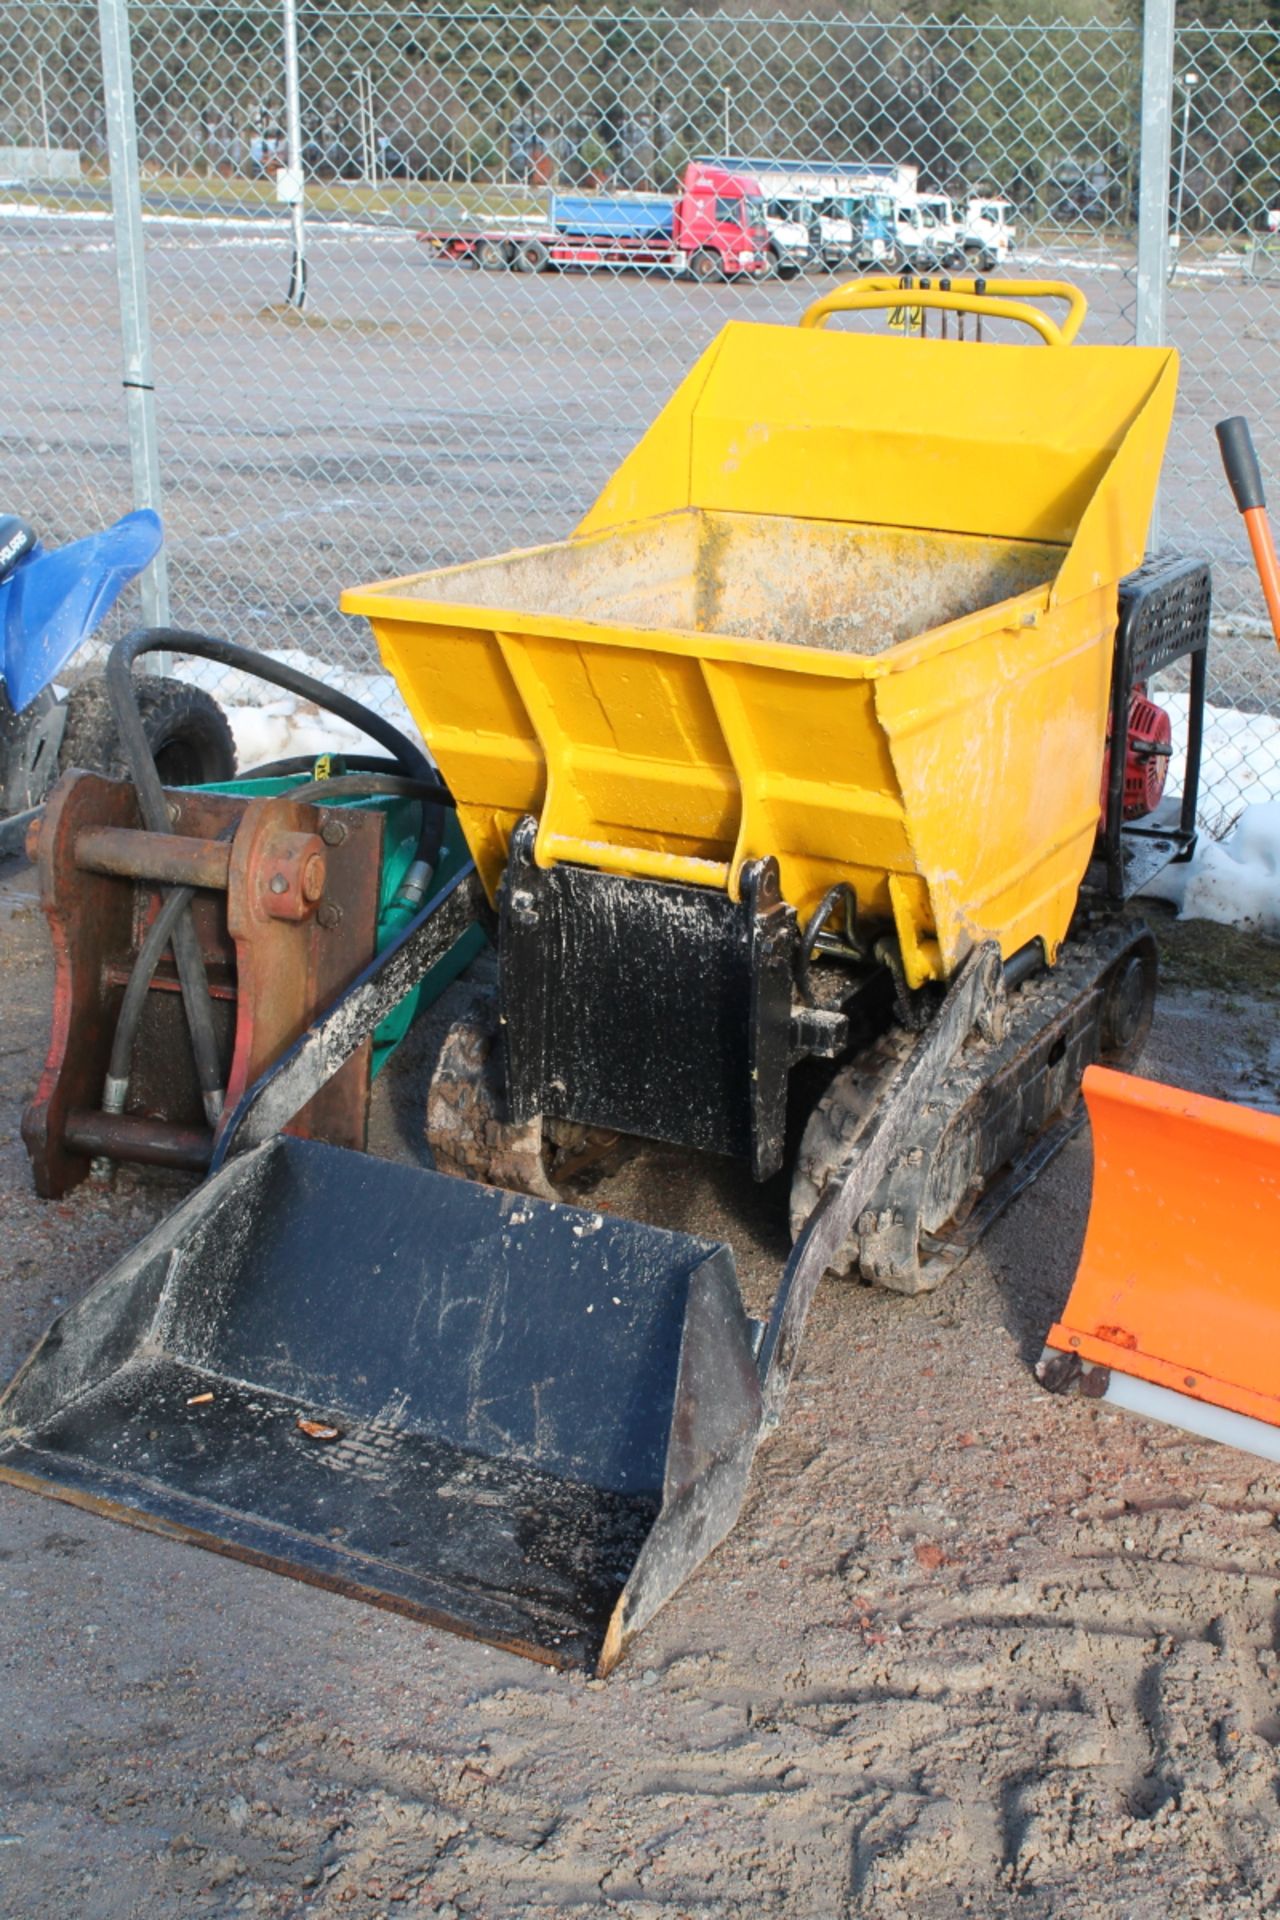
(368, 127)
(728, 144)
(1189, 82)
(44, 104)
(289, 181)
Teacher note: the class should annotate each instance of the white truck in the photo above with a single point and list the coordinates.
(847, 211)
(928, 233)
(794, 235)
(940, 209)
(989, 235)
(936, 231)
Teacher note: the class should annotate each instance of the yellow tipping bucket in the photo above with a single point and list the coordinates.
(850, 602)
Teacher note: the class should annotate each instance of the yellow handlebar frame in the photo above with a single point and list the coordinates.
(998, 300)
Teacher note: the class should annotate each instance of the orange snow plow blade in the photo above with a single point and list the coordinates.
(1175, 1311)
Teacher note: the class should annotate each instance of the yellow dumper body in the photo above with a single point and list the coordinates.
(850, 602)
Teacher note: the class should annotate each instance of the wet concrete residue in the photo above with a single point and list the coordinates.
(831, 585)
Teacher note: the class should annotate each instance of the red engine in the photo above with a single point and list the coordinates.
(1148, 745)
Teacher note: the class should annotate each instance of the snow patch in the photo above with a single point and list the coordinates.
(271, 724)
(322, 226)
(1240, 764)
(1235, 881)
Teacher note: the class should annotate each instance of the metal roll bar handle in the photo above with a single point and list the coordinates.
(988, 299)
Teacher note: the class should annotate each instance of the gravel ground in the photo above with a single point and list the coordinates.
(971, 1649)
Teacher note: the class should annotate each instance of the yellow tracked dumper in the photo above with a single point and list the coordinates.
(803, 784)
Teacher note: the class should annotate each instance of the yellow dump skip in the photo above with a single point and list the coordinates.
(850, 602)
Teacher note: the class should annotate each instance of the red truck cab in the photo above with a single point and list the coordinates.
(714, 228)
(720, 224)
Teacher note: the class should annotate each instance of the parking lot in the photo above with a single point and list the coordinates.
(420, 411)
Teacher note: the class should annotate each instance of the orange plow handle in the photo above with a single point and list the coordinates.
(1258, 528)
(1179, 1280)
(1242, 470)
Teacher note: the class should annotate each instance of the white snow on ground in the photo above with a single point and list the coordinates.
(1240, 764)
(246, 225)
(270, 724)
(1233, 878)
(1235, 881)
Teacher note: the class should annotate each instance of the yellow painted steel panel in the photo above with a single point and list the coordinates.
(1008, 440)
(851, 602)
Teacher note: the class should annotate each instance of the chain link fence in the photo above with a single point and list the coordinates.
(419, 409)
(1223, 314)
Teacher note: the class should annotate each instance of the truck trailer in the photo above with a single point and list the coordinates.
(713, 229)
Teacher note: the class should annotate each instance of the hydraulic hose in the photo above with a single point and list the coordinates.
(364, 774)
(159, 933)
(359, 786)
(259, 666)
(295, 763)
(179, 927)
(158, 936)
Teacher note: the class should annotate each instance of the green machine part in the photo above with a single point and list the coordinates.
(400, 840)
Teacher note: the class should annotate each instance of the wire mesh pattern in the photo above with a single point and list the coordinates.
(1222, 314)
(419, 409)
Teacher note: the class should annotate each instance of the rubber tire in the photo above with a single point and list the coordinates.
(491, 256)
(705, 267)
(186, 730)
(780, 268)
(532, 257)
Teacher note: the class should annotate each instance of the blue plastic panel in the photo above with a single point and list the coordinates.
(630, 217)
(52, 602)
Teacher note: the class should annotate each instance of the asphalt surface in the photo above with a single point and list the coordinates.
(421, 412)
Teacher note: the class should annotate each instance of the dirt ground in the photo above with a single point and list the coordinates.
(971, 1649)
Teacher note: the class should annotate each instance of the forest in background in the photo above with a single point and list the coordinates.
(1034, 99)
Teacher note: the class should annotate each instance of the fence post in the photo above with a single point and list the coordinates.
(131, 276)
(1153, 170)
(1154, 160)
